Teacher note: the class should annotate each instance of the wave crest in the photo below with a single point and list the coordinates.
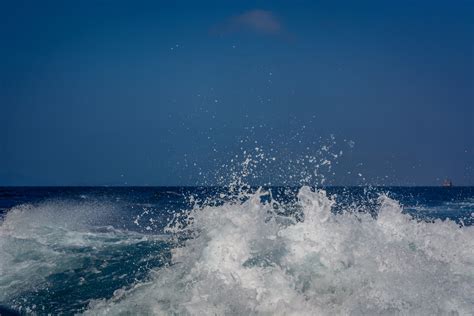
(245, 257)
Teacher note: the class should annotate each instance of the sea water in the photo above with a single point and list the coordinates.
(263, 250)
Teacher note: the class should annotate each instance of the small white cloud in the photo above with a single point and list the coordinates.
(256, 20)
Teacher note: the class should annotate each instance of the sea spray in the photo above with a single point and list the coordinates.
(244, 259)
(56, 256)
(299, 249)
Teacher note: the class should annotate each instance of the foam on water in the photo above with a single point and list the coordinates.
(57, 256)
(245, 257)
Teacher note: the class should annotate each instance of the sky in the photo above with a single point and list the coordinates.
(168, 92)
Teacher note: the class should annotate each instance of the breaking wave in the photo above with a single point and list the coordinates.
(58, 256)
(239, 250)
(255, 255)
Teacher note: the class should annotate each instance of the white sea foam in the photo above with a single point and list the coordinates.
(244, 258)
(37, 241)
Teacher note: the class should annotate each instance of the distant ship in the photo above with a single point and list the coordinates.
(447, 183)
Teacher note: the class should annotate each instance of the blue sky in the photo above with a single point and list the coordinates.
(160, 93)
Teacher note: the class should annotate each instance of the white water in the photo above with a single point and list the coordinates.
(245, 259)
(38, 241)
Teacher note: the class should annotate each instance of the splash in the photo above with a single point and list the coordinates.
(236, 249)
(245, 256)
(58, 255)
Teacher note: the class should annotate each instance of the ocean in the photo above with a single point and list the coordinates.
(252, 251)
